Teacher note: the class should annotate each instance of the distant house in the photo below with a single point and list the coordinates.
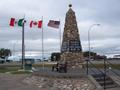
(14, 58)
(29, 60)
(116, 56)
(19, 58)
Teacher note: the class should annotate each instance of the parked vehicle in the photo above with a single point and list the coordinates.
(2, 60)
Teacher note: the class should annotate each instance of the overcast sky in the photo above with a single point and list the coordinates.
(105, 39)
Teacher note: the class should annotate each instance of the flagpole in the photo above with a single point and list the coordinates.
(42, 44)
(23, 46)
(60, 34)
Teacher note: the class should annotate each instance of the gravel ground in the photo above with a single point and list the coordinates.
(29, 82)
(15, 82)
(45, 83)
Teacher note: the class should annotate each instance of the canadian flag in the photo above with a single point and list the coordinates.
(36, 23)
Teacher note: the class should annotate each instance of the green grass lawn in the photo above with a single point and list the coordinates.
(20, 72)
(14, 69)
(41, 65)
(8, 69)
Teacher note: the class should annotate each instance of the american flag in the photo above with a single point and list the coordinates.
(54, 24)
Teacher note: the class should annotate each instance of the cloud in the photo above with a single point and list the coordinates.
(105, 37)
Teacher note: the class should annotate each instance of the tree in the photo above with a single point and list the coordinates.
(4, 53)
(93, 55)
(55, 56)
(86, 54)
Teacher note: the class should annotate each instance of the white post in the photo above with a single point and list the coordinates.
(23, 46)
(60, 35)
(42, 44)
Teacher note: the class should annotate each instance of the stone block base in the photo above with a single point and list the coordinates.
(74, 60)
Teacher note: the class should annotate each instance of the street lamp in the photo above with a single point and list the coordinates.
(90, 28)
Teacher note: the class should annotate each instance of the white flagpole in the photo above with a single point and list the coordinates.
(42, 43)
(23, 45)
(60, 34)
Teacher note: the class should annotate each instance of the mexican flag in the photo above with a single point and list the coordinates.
(14, 22)
(36, 24)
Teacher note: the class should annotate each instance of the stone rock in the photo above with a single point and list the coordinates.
(60, 84)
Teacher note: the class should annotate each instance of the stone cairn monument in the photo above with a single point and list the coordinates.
(71, 49)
